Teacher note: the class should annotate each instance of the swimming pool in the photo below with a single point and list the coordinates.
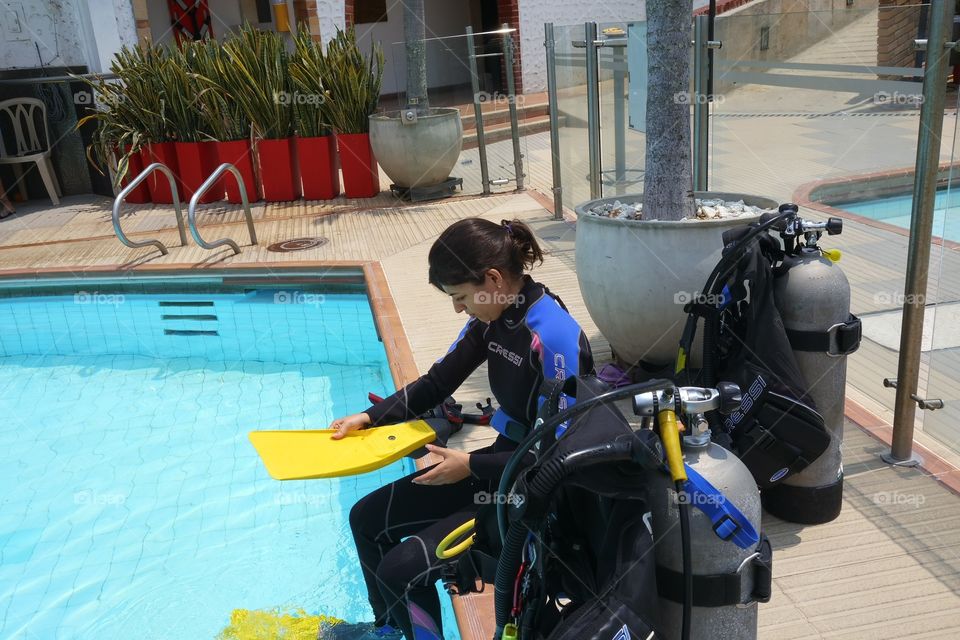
(895, 210)
(133, 502)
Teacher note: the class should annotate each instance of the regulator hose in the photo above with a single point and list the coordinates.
(726, 264)
(683, 507)
(543, 428)
(544, 483)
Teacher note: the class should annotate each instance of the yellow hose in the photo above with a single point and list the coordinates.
(444, 550)
(670, 435)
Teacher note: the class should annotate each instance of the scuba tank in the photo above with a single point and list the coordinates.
(813, 297)
(571, 568)
(732, 570)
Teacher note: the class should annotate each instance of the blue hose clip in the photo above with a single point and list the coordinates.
(728, 522)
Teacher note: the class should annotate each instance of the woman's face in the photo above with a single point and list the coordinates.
(485, 301)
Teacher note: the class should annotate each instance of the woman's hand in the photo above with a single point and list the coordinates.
(454, 467)
(348, 424)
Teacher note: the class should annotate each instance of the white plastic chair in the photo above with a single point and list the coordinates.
(22, 116)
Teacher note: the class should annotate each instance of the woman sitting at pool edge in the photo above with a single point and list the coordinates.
(524, 334)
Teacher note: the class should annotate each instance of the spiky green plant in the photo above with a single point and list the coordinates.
(257, 78)
(181, 94)
(223, 116)
(130, 111)
(307, 68)
(352, 82)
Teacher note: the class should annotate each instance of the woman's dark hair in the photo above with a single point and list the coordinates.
(467, 248)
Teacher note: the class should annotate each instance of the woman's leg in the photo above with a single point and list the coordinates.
(408, 574)
(382, 518)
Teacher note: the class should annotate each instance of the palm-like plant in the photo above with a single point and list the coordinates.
(130, 110)
(351, 82)
(307, 68)
(255, 75)
(223, 116)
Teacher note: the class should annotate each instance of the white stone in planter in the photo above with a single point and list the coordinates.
(636, 275)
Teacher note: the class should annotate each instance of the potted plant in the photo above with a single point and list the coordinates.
(417, 146)
(352, 90)
(636, 275)
(256, 76)
(224, 120)
(196, 154)
(116, 142)
(140, 72)
(316, 145)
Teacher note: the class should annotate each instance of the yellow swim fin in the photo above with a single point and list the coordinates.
(304, 455)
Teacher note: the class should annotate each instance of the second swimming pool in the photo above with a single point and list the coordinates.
(895, 210)
(133, 502)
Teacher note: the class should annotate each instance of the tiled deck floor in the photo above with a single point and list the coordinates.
(889, 567)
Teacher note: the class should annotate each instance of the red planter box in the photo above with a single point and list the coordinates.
(135, 166)
(197, 162)
(239, 154)
(157, 182)
(361, 179)
(279, 178)
(319, 167)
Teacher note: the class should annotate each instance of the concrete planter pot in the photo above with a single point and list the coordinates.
(636, 275)
(420, 154)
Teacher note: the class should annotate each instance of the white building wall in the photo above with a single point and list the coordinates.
(67, 32)
(26, 25)
(535, 13)
(446, 59)
(330, 13)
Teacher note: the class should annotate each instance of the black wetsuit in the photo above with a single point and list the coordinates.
(533, 338)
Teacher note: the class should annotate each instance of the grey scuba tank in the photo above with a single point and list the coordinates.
(719, 566)
(813, 298)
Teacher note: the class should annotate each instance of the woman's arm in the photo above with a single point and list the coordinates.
(443, 378)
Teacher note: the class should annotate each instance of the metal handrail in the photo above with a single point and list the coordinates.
(192, 211)
(156, 166)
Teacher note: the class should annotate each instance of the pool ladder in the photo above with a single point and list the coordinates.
(191, 211)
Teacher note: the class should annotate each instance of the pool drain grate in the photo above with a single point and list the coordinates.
(297, 244)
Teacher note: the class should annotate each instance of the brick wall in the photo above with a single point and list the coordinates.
(897, 27)
(508, 11)
(348, 13)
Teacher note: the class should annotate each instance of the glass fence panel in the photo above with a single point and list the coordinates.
(942, 338)
(623, 94)
(822, 108)
(449, 86)
(571, 72)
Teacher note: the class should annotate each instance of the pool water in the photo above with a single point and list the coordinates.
(133, 504)
(895, 210)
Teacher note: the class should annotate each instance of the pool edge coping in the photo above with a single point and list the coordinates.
(804, 196)
(880, 430)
